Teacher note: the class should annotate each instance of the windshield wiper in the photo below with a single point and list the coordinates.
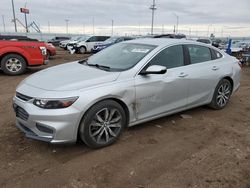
(103, 67)
(83, 61)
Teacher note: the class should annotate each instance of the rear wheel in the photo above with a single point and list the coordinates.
(13, 64)
(103, 124)
(222, 94)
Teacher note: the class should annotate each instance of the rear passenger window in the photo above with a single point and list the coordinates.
(216, 54)
(199, 54)
(170, 57)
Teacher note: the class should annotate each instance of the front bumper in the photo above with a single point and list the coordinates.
(46, 62)
(54, 126)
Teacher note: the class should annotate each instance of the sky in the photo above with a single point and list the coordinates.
(132, 17)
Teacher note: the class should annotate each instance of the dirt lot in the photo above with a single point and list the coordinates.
(211, 149)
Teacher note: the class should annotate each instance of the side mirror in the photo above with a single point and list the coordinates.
(154, 69)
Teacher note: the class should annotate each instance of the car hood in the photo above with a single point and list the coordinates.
(69, 77)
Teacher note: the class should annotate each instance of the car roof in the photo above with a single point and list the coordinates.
(159, 41)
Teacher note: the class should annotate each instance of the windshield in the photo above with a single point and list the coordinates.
(111, 40)
(84, 38)
(121, 56)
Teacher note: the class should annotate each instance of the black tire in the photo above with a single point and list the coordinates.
(82, 50)
(88, 130)
(48, 54)
(17, 61)
(66, 47)
(220, 100)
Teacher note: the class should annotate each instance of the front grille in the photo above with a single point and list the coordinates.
(23, 97)
(21, 113)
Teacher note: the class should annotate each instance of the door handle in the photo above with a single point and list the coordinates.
(183, 75)
(215, 68)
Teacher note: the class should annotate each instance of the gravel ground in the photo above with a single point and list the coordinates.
(208, 149)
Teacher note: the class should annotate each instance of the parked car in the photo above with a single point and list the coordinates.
(56, 40)
(109, 42)
(16, 37)
(87, 44)
(205, 41)
(126, 84)
(172, 36)
(16, 56)
(63, 44)
(51, 50)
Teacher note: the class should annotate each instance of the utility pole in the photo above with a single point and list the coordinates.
(162, 30)
(177, 23)
(83, 29)
(14, 15)
(49, 26)
(3, 23)
(67, 25)
(139, 29)
(112, 31)
(93, 22)
(25, 16)
(153, 8)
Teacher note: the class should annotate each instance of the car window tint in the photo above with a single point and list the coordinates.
(216, 54)
(92, 39)
(170, 57)
(199, 54)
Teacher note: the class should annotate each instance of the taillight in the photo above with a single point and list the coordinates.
(43, 50)
(240, 64)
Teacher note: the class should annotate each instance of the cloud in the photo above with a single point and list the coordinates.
(129, 12)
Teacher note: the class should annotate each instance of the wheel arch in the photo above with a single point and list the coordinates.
(16, 53)
(230, 80)
(119, 101)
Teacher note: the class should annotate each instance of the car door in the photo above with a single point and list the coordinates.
(162, 93)
(90, 43)
(203, 74)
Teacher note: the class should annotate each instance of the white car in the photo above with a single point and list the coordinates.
(88, 43)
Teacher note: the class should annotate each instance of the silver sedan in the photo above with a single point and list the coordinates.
(126, 84)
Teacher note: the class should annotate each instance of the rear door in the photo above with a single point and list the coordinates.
(203, 74)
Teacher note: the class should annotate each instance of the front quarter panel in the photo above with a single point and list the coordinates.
(120, 90)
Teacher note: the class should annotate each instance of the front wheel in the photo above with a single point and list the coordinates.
(103, 124)
(222, 94)
(13, 64)
(82, 50)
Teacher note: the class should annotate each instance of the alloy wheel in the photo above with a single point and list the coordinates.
(106, 125)
(223, 95)
(13, 65)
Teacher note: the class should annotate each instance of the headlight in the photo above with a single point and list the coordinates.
(54, 103)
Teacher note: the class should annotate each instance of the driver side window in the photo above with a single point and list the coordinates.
(170, 57)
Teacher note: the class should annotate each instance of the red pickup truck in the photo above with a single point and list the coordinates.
(16, 56)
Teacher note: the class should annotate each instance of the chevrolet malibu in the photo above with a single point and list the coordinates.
(126, 84)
